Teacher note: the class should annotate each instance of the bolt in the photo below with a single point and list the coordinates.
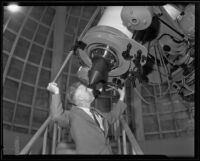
(145, 22)
(139, 52)
(134, 21)
(143, 58)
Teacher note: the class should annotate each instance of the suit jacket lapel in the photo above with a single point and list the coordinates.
(83, 114)
(105, 122)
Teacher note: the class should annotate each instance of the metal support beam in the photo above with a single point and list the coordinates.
(135, 146)
(157, 113)
(174, 115)
(14, 45)
(136, 104)
(6, 24)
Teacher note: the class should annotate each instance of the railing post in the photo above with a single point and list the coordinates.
(44, 146)
(124, 141)
(54, 142)
(133, 151)
(119, 145)
(117, 136)
(16, 145)
(131, 137)
(59, 134)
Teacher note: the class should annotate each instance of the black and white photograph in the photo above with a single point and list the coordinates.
(99, 79)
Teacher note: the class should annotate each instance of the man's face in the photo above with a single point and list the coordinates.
(84, 94)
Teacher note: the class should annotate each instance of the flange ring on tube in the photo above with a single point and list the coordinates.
(113, 35)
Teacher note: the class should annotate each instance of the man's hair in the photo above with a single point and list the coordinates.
(71, 91)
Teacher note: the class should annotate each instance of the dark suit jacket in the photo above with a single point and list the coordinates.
(88, 137)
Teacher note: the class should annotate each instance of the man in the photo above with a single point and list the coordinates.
(88, 130)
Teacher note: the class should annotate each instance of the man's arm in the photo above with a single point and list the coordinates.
(56, 109)
(118, 110)
(115, 113)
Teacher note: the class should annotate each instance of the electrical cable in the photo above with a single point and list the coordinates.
(114, 88)
(155, 60)
(148, 91)
(152, 83)
(186, 61)
(182, 35)
(162, 59)
(141, 97)
(172, 37)
(163, 55)
(186, 86)
(169, 61)
(166, 69)
(165, 75)
(159, 85)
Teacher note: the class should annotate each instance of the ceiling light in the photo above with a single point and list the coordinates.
(13, 7)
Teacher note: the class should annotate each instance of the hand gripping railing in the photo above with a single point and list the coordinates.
(135, 147)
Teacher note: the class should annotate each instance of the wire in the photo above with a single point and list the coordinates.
(114, 88)
(172, 37)
(141, 97)
(177, 41)
(183, 80)
(111, 88)
(169, 61)
(166, 75)
(156, 61)
(158, 69)
(165, 67)
(148, 91)
(182, 35)
(186, 86)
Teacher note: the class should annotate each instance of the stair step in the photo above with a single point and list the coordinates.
(68, 148)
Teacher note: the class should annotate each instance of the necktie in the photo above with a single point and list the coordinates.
(94, 114)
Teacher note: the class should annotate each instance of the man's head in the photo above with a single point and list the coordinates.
(80, 95)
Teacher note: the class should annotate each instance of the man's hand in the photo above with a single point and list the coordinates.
(53, 88)
(121, 93)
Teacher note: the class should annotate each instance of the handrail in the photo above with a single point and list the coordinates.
(44, 146)
(54, 141)
(124, 141)
(26, 149)
(135, 147)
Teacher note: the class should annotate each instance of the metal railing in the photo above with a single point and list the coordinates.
(44, 129)
(134, 144)
(27, 148)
